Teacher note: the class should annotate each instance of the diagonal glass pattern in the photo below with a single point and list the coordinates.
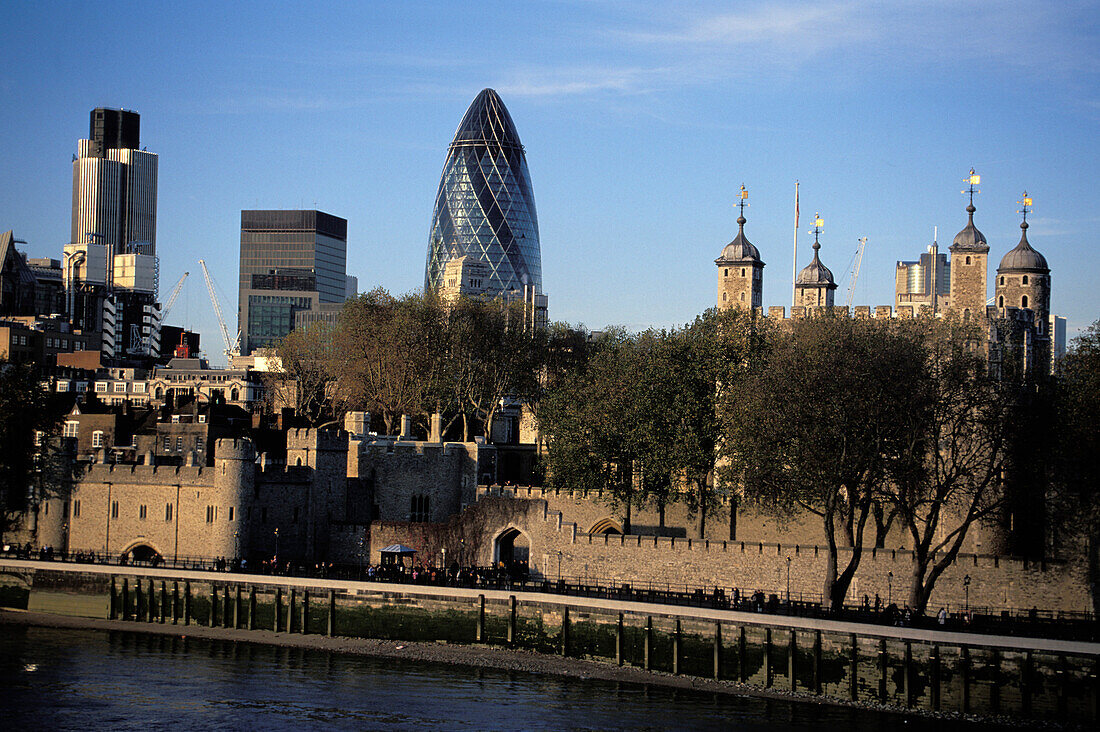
(485, 206)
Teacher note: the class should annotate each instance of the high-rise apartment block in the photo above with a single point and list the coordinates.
(110, 268)
(293, 272)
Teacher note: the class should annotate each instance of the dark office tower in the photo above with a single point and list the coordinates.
(293, 270)
(109, 267)
(485, 207)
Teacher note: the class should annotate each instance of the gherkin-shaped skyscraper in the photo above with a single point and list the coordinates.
(485, 208)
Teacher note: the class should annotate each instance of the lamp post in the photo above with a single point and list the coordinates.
(443, 552)
(788, 580)
(559, 565)
(890, 588)
(276, 549)
(966, 589)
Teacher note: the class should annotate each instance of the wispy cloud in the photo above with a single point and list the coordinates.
(548, 81)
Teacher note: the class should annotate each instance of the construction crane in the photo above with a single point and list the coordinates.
(231, 347)
(164, 314)
(855, 270)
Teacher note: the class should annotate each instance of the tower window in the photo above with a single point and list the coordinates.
(1025, 279)
(1001, 302)
(742, 271)
(742, 297)
(723, 297)
(726, 272)
(1023, 301)
(1002, 280)
(968, 260)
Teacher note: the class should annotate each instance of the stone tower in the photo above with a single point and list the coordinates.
(969, 252)
(1023, 278)
(740, 269)
(814, 286)
(234, 484)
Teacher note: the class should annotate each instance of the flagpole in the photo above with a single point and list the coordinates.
(794, 264)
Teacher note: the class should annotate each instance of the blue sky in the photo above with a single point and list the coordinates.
(640, 121)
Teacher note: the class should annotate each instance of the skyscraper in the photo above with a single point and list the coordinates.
(110, 266)
(485, 206)
(293, 271)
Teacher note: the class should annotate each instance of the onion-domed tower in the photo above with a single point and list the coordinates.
(485, 207)
(969, 253)
(1023, 277)
(740, 269)
(814, 286)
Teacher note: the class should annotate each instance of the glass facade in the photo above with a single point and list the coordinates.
(290, 261)
(485, 206)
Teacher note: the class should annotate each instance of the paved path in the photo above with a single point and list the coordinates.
(734, 617)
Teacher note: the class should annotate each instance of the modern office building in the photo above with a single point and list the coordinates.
(110, 268)
(485, 206)
(925, 282)
(291, 261)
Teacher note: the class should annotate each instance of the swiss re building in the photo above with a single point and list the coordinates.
(485, 208)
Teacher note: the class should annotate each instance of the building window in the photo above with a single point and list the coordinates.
(141, 511)
(46, 508)
(1002, 280)
(1023, 301)
(120, 387)
(726, 272)
(167, 444)
(1025, 279)
(1001, 302)
(209, 514)
(723, 297)
(168, 512)
(114, 509)
(235, 396)
(71, 429)
(199, 443)
(39, 437)
(97, 438)
(175, 419)
(230, 513)
(139, 387)
(62, 386)
(742, 297)
(101, 387)
(76, 509)
(742, 271)
(420, 508)
(968, 260)
(179, 444)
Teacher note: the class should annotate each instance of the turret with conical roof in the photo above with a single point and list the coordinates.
(814, 286)
(1023, 277)
(969, 252)
(740, 269)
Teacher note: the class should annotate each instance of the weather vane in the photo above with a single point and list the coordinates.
(1025, 205)
(819, 224)
(742, 200)
(972, 182)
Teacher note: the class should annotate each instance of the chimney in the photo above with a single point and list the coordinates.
(437, 428)
(406, 427)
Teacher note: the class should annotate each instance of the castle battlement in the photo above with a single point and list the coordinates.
(234, 448)
(129, 473)
(299, 438)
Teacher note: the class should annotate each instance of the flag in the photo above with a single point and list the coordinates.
(796, 204)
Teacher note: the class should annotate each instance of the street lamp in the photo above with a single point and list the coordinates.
(788, 580)
(276, 549)
(966, 589)
(559, 565)
(890, 588)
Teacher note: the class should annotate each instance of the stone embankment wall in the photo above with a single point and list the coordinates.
(904, 667)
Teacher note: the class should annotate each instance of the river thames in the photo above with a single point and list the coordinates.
(86, 679)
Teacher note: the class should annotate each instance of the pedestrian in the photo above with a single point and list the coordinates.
(942, 616)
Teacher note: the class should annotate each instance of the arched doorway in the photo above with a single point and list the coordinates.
(512, 548)
(143, 554)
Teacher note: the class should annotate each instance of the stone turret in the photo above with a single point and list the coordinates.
(740, 269)
(969, 253)
(814, 287)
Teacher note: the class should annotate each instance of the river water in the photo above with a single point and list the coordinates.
(92, 680)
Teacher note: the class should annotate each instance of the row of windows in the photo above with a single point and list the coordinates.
(1023, 282)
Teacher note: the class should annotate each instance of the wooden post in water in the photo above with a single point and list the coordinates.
(152, 601)
(853, 668)
(278, 610)
(112, 605)
(125, 598)
(964, 672)
(767, 658)
(676, 636)
(619, 641)
(227, 609)
(291, 607)
(175, 602)
(163, 601)
(252, 607)
(742, 674)
(907, 674)
(817, 662)
(1025, 683)
(305, 612)
(186, 602)
(934, 661)
(883, 670)
(648, 642)
(717, 650)
(479, 630)
(138, 616)
(238, 609)
(792, 654)
(330, 629)
(213, 606)
(510, 639)
(995, 687)
(565, 631)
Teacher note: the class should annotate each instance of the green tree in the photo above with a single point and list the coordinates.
(25, 410)
(810, 424)
(305, 380)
